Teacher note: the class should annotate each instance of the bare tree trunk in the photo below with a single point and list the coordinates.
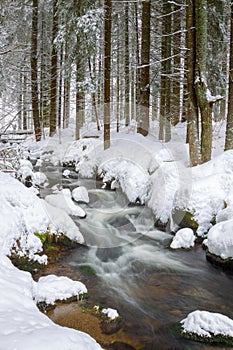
(229, 126)
(25, 101)
(34, 72)
(127, 89)
(107, 71)
(54, 74)
(66, 92)
(143, 126)
(192, 111)
(200, 81)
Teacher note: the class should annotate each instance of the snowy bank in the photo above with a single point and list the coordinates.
(23, 326)
(22, 214)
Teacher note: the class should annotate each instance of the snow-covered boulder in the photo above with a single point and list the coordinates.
(65, 203)
(80, 194)
(184, 238)
(110, 313)
(51, 288)
(204, 198)
(220, 240)
(207, 324)
(39, 178)
(166, 181)
(22, 214)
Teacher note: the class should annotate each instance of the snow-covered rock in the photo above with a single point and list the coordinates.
(51, 288)
(220, 239)
(110, 313)
(39, 178)
(184, 238)
(204, 198)
(80, 194)
(66, 173)
(206, 324)
(65, 203)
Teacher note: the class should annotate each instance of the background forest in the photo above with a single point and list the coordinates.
(148, 63)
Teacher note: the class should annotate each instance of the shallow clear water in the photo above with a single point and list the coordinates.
(151, 286)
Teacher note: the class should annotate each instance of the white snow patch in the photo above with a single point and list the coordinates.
(80, 194)
(111, 313)
(184, 238)
(65, 203)
(220, 239)
(23, 326)
(204, 323)
(51, 288)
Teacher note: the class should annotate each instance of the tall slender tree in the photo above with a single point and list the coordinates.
(107, 70)
(229, 126)
(143, 125)
(54, 72)
(192, 111)
(34, 71)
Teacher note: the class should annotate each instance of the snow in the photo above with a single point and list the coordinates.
(205, 324)
(61, 222)
(65, 203)
(23, 326)
(111, 313)
(220, 239)
(51, 288)
(154, 173)
(184, 238)
(66, 173)
(80, 194)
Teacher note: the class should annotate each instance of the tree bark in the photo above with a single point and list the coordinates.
(107, 71)
(34, 72)
(127, 89)
(143, 125)
(54, 74)
(204, 105)
(229, 126)
(192, 111)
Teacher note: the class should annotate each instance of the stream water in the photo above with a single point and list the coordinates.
(134, 271)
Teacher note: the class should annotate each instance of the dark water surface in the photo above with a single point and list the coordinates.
(127, 264)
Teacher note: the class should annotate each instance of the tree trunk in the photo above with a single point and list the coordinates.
(34, 72)
(229, 126)
(66, 91)
(143, 125)
(192, 111)
(54, 74)
(201, 81)
(107, 71)
(127, 89)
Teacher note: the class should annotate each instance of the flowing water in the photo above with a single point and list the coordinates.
(134, 271)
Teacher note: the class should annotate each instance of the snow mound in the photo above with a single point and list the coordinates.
(184, 238)
(80, 194)
(60, 222)
(134, 180)
(22, 214)
(205, 324)
(65, 203)
(220, 239)
(110, 313)
(207, 198)
(51, 288)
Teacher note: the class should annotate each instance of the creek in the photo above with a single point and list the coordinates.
(127, 264)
